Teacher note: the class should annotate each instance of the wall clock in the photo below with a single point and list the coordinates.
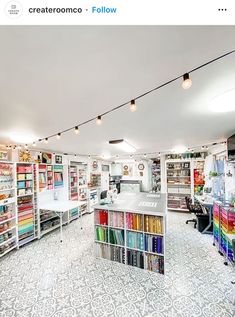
(95, 165)
(141, 166)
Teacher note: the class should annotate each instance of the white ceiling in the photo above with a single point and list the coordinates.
(52, 78)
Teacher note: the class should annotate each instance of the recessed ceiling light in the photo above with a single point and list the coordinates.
(224, 102)
(179, 149)
(22, 138)
(123, 145)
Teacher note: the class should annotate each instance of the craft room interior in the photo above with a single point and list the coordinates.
(117, 171)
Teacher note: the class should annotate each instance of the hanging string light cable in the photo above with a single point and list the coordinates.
(133, 100)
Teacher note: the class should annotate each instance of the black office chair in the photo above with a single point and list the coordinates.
(103, 194)
(193, 208)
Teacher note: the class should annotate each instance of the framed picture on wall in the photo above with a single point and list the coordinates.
(46, 158)
(58, 159)
(3, 155)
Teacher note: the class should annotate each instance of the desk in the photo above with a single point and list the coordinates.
(60, 207)
(206, 201)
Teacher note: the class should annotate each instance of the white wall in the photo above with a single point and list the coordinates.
(135, 174)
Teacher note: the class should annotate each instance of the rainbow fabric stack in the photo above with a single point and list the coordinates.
(216, 223)
(227, 224)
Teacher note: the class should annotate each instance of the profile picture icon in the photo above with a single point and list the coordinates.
(13, 9)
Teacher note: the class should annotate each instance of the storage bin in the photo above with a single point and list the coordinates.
(21, 184)
(21, 177)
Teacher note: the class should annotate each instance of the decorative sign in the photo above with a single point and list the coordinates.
(126, 170)
(47, 158)
(58, 159)
(3, 155)
(25, 156)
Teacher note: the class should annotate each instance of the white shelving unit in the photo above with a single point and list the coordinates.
(179, 179)
(27, 215)
(130, 234)
(8, 212)
(83, 188)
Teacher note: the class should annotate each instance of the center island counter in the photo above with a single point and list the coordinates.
(132, 230)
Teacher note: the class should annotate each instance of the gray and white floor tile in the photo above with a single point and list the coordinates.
(51, 279)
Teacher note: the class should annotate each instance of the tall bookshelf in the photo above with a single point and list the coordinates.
(198, 177)
(73, 182)
(35, 199)
(58, 176)
(50, 177)
(179, 184)
(25, 202)
(156, 175)
(130, 237)
(42, 170)
(8, 219)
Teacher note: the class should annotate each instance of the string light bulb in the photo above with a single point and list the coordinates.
(46, 140)
(58, 136)
(145, 155)
(76, 130)
(99, 120)
(26, 146)
(187, 81)
(133, 106)
(34, 143)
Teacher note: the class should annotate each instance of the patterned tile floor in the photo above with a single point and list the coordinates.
(52, 279)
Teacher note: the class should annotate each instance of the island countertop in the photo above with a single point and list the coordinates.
(141, 203)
